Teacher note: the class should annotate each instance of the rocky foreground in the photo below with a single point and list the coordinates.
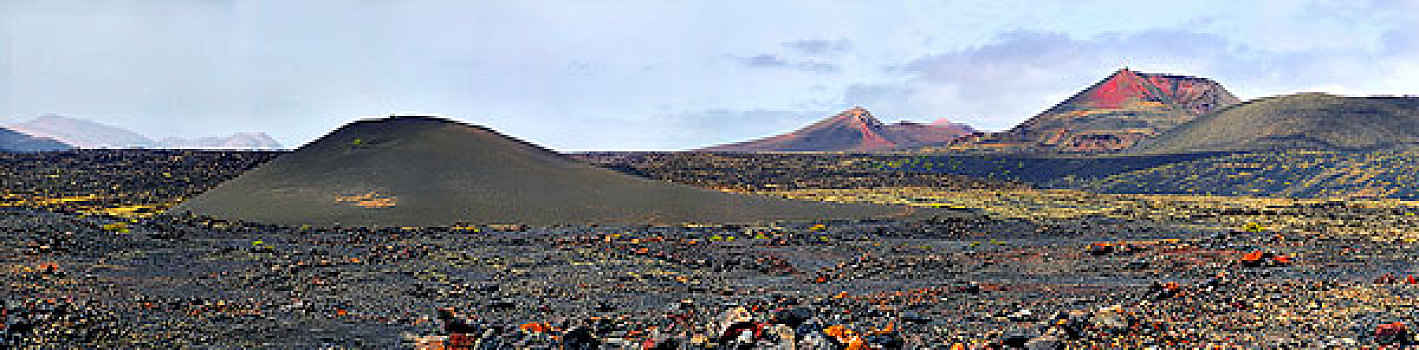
(95, 282)
(87, 266)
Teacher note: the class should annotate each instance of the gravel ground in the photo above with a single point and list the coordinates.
(187, 282)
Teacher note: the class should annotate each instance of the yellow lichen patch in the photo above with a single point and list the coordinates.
(128, 211)
(368, 200)
(73, 199)
(92, 204)
(116, 227)
(38, 201)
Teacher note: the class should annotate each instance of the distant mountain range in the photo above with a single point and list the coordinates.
(82, 133)
(1126, 112)
(853, 130)
(14, 141)
(241, 140)
(1110, 116)
(1133, 112)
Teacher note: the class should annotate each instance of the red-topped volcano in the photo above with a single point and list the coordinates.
(1120, 110)
(1116, 91)
(853, 130)
(1126, 89)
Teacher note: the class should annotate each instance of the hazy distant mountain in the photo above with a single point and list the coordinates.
(83, 133)
(1116, 113)
(1312, 121)
(853, 130)
(424, 171)
(14, 141)
(242, 140)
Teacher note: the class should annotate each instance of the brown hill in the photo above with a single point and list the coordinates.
(1118, 112)
(911, 135)
(853, 130)
(420, 171)
(1311, 121)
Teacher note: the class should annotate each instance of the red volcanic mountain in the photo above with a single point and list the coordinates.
(853, 130)
(1121, 110)
(941, 131)
(1126, 88)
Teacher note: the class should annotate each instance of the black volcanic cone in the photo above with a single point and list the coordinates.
(420, 171)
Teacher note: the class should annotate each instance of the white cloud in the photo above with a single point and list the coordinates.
(819, 47)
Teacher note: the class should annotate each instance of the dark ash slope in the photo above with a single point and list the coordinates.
(419, 171)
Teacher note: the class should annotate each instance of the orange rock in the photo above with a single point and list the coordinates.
(534, 328)
(856, 343)
(836, 331)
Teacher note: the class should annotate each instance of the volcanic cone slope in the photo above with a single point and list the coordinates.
(1118, 112)
(1311, 121)
(421, 171)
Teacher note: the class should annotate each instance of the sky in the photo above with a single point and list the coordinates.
(582, 75)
